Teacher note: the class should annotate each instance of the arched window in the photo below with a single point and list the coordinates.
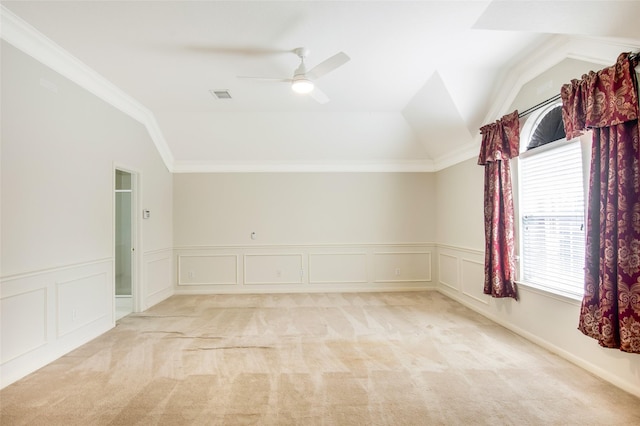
(549, 128)
(551, 206)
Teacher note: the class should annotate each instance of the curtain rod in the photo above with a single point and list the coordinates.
(538, 106)
(632, 56)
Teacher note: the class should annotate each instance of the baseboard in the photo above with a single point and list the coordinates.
(303, 268)
(158, 277)
(580, 362)
(48, 313)
(303, 290)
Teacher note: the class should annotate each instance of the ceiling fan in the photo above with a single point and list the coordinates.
(303, 81)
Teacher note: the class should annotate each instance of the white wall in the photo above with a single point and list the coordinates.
(459, 221)
(548, 320)
(59, 147)
(291, 137)
(349, 224)
(548, 83)
(303, 208)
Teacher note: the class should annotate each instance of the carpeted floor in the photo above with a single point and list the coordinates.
(313, 359)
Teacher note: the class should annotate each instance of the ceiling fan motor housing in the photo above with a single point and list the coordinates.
(300, 83)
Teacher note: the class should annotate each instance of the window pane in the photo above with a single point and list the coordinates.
(552, 218)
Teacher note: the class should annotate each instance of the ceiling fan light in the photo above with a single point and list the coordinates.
(302, 85)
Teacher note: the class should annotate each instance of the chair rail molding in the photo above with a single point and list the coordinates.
(304, 268)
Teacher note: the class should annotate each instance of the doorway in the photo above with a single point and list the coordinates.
(124, 243)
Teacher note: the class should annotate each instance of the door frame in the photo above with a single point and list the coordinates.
(136, 236)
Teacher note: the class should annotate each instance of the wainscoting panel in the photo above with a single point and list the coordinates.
(24, 323)
(46, 314)
(213, 269)
(448, 267)
(158, 276)
(327, 268)
(398, 267)
(305, 268)
(472, 279)
(80, 301)
(544, 318)
(273, 268)
(461, 273)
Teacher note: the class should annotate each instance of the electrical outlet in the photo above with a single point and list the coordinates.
(279, 273)
(397, 271)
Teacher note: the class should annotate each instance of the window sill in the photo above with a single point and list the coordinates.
(570, 298)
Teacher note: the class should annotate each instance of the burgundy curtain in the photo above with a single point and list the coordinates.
(500, 143)
(607, 102)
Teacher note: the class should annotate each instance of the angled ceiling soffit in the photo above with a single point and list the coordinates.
(446, 130)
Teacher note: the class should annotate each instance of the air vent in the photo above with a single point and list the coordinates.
(221, 94)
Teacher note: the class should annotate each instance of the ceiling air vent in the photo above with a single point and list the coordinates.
(221, 94)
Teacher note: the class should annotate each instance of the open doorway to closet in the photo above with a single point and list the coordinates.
(125, 250)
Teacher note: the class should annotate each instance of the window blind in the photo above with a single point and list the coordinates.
(552, 218)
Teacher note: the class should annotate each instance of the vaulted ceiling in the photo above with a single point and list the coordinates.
(423, 76)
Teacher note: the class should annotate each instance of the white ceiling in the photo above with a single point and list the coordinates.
(423, 75)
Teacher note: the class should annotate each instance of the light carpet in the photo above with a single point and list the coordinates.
(413, 358)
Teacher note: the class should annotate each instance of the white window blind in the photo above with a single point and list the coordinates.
(552, 218)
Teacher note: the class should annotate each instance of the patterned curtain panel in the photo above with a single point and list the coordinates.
(500, 143)
(607, 102)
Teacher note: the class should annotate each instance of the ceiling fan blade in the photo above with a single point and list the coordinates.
(319, 96)
(328, 65)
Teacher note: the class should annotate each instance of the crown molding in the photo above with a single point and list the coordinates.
(468, 151)
(600, 51)
(421, 166)
(26, 38)
(29, 40)
(556, 49)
